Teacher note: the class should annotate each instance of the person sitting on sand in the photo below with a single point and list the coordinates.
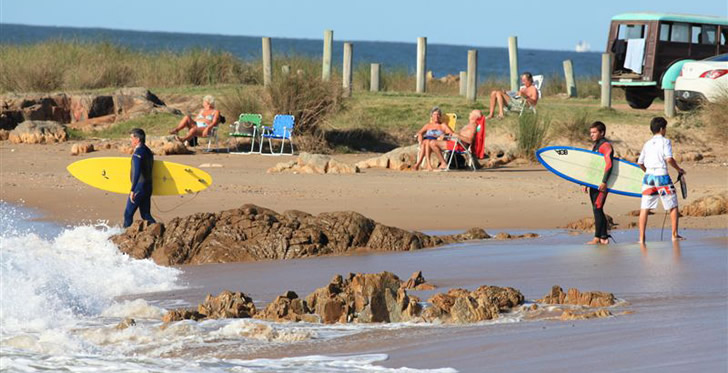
(204, 122)
(466, 137)
(656, 154)
(527, 93)
(432, 131)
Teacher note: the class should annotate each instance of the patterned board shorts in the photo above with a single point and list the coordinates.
(654, 187)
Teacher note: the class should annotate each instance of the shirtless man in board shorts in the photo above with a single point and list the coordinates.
(465, 137)
(655, 156)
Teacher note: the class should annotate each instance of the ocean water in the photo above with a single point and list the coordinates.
(63, 290)
(60, 300)
(442, 59)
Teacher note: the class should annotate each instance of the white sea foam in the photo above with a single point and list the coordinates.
(47, 283)
(57, 312)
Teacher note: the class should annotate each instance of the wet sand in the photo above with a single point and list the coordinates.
(676, 298)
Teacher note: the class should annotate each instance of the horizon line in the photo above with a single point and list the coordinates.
(283, 37)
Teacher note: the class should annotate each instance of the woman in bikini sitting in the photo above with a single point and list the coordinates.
(457, 141)
(203, 123)
(432, 131)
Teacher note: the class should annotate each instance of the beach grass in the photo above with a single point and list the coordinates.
(393, 113)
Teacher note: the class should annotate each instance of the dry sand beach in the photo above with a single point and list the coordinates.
(518, 196)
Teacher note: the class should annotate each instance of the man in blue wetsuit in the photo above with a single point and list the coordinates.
(140, 196)
(599, 196)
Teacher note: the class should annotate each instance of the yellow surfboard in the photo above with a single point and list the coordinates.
(112, 174)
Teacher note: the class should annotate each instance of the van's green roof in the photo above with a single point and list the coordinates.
(689, 18)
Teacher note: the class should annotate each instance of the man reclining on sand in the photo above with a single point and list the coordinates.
(432, 131)
(466, 137)
(528, 93)
(204, 122)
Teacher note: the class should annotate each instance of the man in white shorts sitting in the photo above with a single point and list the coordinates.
(655, 156)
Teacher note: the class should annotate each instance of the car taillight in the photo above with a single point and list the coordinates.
(714, 74)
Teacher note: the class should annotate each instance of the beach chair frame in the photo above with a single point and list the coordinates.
(282, 129)
(257, 120)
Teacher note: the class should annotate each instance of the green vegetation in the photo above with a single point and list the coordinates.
(532, 130)
(712, 116)
(575, 128)
(324, 119)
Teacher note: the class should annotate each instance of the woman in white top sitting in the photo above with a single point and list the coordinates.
(203, 123)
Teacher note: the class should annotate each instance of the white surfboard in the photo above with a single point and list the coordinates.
(586, 167)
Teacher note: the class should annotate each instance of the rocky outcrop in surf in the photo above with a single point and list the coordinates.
(253, 233)
(575, 297)
(383, 298)
(460, 306)
(362, 298)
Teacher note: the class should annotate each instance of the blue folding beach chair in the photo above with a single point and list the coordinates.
(282, 130)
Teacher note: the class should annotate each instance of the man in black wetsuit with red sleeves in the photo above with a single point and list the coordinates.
(599, 196)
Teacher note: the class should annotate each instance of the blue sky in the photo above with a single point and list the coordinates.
(538, 24)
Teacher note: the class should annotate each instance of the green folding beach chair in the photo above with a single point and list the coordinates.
(247, 125)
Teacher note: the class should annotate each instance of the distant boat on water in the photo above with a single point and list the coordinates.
(582, 46)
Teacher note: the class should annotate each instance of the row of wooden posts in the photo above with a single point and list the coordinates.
(468, 79)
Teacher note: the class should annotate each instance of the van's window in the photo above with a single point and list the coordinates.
(631, 32)
(696, 33)
(664, 31)
(709, 34)
(723, 36)
(680, 33)
(718, 58)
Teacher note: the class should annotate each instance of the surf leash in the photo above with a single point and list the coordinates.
(175, 207)
(679, 178)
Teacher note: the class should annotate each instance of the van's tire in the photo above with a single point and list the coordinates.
(639, 98)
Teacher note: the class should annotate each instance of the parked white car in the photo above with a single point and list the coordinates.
(703, 80)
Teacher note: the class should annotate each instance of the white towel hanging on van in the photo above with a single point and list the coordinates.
(633, 60)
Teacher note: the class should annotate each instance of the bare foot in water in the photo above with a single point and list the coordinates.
(678, 238)
(604, 241)
(595, 241)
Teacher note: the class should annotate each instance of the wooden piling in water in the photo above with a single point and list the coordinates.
(569, 77)
(421, 64)
(513, 61)
(326, 65)
(463, 83)
(472, 90)
(606, 80)
(374, 78)
(267, 62)
(348, 54)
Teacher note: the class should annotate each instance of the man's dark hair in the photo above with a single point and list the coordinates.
(601, 127)
(139, 134)
(528, 76)
(657, 124)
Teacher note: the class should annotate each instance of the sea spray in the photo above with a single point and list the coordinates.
(58, 312)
